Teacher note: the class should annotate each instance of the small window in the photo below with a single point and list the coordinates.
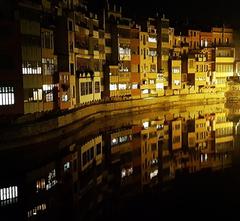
(70, 25)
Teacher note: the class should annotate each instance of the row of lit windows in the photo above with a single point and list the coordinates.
(224, 131)
(36, 210)
(126, 172)
(42, 184)
(48, 66)
(7, 96)
(31, 67)
(124, 51)
(224, 68)
(37, 94)
(121, 139)
(8, 193)
(201, 68)
(114, 87)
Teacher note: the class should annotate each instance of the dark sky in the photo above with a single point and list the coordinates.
(200, 11)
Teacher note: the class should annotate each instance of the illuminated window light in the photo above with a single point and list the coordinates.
(134, 86)
(66, 166)
(159, 86)
(6, 96)
(152, 39)
(122, 86)
(145, 125)
(154, 173)
(177, 82)
(8, 193)
(113, 87)
(145, 91)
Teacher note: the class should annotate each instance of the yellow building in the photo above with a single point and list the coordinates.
(175, 75)
(151, 133)
(151, 79)
(223, 132)
(224, 64)
(88, 62)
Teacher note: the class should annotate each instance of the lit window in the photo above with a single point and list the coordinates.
(32, 67)
(37, 94)
(47, 66)
(134, 86)
(177, 82)
(145, 91)
(151, 81)
(154, 173)
(146, 124)
(52, 181)
(159, 126)
(126, 172)
(114, 141)
(6, 96)
(64, 98)
(206, 43)
(122, 86)
(48, 91)
(113, 87)
(152, 39)
(152, 52)
(159, 86)
(123, 139)
(66, 166)
(175, 70)
(40, 184)
(124, 51)
(36, 210)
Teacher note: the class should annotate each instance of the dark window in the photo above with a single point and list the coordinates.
(83, 89)
(91, 153)
(72, 69)
(97, 87)
(90, 87)
(70, 26)
(98, 149)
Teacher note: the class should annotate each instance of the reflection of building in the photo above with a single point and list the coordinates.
(91, 153)
(149, 150)
(223, 133)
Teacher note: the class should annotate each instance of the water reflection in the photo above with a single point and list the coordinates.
(86, 179)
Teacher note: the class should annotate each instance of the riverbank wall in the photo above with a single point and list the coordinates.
(22, 134)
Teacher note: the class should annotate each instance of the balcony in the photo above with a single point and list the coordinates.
(220, 59)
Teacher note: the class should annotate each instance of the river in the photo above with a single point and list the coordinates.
(147, 165)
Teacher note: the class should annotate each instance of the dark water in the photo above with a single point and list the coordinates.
(182, 161)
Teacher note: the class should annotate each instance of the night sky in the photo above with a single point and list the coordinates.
(188, 12)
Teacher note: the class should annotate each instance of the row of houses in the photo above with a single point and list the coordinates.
(58, 55)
